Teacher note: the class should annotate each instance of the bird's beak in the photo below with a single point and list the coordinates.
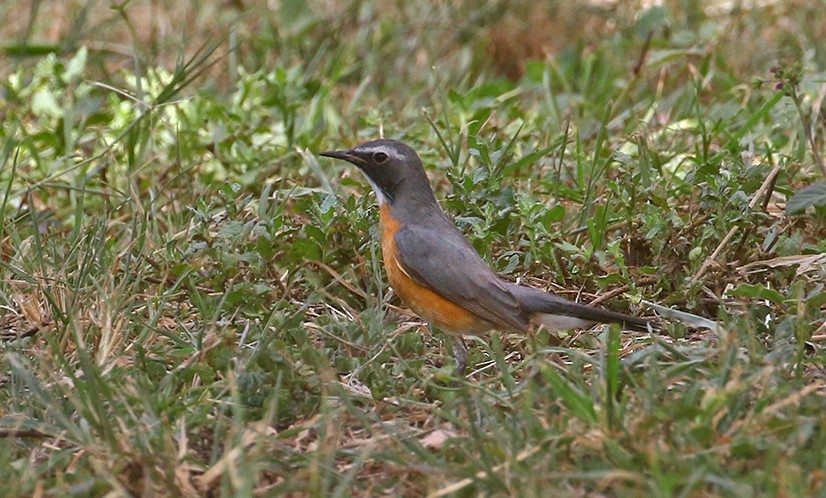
(346, 155)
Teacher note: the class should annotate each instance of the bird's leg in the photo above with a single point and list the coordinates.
(460, 354)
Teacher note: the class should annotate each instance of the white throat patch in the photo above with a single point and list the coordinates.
(379, 195)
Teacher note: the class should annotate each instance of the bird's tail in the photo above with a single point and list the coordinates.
(557, 313)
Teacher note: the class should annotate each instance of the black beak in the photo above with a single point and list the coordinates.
(346, 155)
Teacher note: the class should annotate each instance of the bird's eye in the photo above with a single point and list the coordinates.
(379, 157)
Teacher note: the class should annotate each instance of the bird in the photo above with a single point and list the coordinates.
(437, 273)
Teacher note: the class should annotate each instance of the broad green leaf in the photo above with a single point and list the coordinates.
(813, 195)
(757, 291)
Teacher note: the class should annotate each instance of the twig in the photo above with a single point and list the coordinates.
(645, 47)
(619, 290)
(807, 129)
(459, 485)
(767, 184)
(337, 276)
(4, 433)
(26, 333)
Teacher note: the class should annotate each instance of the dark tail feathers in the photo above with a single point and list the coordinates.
(538, 301)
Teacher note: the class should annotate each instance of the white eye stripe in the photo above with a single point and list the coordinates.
(390, 151)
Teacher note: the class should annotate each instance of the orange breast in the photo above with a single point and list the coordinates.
(430, 306)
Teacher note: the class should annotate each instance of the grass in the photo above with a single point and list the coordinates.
(193, 303)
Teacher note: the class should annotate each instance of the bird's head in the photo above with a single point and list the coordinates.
(393, 169)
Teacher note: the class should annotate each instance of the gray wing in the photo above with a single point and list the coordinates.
(445, 263)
